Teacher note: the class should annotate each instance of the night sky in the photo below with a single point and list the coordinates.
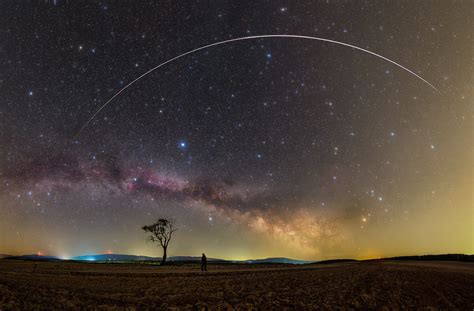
(258, 148)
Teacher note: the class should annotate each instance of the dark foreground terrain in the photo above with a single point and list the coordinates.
(360, 286)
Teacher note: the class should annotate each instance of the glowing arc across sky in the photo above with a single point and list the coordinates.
(242, 39)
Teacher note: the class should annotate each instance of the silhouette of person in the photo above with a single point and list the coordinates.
(203, 262)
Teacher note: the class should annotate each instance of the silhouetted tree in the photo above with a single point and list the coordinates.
(161, 232)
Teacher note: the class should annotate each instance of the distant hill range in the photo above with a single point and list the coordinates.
(135, 258)
(441, 257)
(114, 257)
(184, 259)
(122, 257)
(33, 257)
(119, 257)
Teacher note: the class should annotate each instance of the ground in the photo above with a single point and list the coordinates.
(358, 286)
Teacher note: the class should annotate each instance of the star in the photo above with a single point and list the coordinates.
(182, 145)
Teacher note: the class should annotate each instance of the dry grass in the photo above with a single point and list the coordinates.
(359, 286)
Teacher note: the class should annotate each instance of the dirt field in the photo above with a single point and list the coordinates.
(359, 286)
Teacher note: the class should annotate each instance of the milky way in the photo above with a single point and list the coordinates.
(257, 148)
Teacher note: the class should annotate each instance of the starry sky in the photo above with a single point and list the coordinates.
(259, 148)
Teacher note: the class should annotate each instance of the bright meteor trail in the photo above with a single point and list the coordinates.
(243, 39)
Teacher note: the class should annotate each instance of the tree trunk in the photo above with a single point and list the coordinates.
(163, 259)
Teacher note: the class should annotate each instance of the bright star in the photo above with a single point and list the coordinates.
(183, 145)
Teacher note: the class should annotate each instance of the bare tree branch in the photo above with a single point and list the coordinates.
(161, 231)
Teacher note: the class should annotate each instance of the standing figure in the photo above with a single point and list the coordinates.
(203, 262)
